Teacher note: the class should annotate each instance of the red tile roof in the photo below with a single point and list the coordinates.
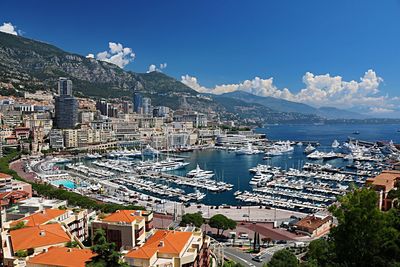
(38, 236)
(127, 216)
(40, 217)
(166, 242)
(62, 256)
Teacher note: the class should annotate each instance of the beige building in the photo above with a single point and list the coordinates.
(126, 228)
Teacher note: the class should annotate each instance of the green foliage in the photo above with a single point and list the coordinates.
(19, 225)
(320, 251)
(362, 232)
(106, 255)
(72, 244)
(195, 219)
(221, 222)
(21, 253)
(231, 263)
(283, 258)
(365, 236)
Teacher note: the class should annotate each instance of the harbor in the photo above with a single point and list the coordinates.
(279, 174)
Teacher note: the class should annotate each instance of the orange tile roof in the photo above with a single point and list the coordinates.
(127, 216)
(38, 236)
(386, 179)
(168, 242)
(5, 176)
(312, 223)
(40, 217)
(62, 256)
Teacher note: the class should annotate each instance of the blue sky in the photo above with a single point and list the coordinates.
(219, 43)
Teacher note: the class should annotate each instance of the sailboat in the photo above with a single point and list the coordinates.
(335, 144)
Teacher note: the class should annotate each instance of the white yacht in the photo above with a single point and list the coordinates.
(168, 165)
(335, 144)
(149, 151)
(200, 174)
(309, 149)
(248, 150)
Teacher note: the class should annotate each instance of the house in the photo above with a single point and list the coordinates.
(12, 197)
(32, 240)
(383, 184)
(61, 257)
(188, 247)
(126, 228)
(76, 221)
(314, 225)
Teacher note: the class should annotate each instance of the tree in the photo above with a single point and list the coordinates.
(106, 255)
(192, 218)
(362, 233)
(221, 222)
(321, 252)
(283, 258)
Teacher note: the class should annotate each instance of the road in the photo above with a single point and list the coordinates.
(241, 257)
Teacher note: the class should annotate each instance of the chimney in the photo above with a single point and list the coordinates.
(69, 250)
(42, 233)
(161, 244)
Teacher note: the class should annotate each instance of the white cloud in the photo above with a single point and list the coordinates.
(153, 67)
(90, 55)
(381, 110)
(117, 54)
(7, 27)
(319, 90)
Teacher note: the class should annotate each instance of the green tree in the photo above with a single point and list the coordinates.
(362, 237)
(221, 222)
(321, 252)
(106, 255)
(283, 258)
(192, 218)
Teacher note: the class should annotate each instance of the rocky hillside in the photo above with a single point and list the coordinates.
(30, 65)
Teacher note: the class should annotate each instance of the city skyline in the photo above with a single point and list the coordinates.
(296, 51)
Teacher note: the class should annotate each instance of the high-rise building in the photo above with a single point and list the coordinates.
(103, 107)
(125, 107)
(64, 86)
(137, 102)
(146, 105)
(66, 106)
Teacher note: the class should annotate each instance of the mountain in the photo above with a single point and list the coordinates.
(283, 105)
(30, 65)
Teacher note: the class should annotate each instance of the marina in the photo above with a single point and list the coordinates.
(279, 174)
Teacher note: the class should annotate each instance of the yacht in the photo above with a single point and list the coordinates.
(149, 151)
(168, 165)
(249, 150)
(199, 173)
(335, 144)
(309, 149)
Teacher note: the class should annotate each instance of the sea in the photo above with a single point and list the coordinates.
(234, 169)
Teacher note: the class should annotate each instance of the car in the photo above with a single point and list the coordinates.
(257, 259)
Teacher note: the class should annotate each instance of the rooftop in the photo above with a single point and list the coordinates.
(126, 216)
(38, 236)
(166, 242)
(386, 179)
(62, 256)
(312, 222)
(40, 217)
(5, 176)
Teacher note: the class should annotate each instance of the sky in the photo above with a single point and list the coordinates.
(338, 53)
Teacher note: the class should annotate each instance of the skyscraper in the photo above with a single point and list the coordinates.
(66, 106)
(146, 105)
(64, 86)
(137, 102)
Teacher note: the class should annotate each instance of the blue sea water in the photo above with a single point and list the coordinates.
(233, 168)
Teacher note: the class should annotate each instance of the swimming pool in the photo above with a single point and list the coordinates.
(66, 183)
